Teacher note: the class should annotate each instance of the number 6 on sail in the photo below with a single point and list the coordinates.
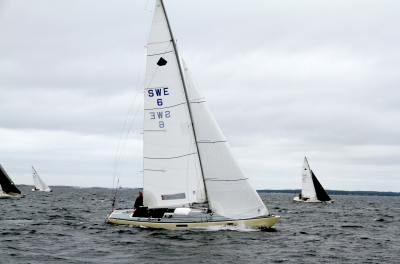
(191, 176)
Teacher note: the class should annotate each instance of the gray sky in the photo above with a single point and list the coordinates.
(284, 79)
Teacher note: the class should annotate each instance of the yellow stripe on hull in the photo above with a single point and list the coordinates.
(259, 222)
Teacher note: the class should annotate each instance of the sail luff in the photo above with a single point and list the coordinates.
(186, 95)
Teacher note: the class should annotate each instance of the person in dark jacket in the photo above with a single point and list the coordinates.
(139, 211)
(139, 201)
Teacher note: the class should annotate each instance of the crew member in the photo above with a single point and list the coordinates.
(139, 201)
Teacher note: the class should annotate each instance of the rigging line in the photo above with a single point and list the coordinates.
(126, 138)
(141, 66)
(150, 20)
(145, 8)
(116, 160)
(119, 142)
(123, 153)
(137, 92)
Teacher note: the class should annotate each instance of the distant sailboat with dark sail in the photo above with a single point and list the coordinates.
(40, 186)
(311, 189)
(7, 187)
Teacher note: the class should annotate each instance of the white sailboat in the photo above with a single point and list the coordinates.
(191, 176)
(40, 186)
(7, 187)
(311, 190)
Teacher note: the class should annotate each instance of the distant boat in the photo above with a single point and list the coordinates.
(311, 190)
(40, 186)
(191, 177)
(7, 187)
(120, 187)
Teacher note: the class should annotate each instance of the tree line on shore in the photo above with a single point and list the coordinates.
(337, 192)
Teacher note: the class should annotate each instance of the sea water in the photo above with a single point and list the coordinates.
(67, 226)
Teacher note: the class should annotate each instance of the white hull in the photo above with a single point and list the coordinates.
(311, 200)
(4, 196)
(12, 195)
(124, 217)
(36, 190)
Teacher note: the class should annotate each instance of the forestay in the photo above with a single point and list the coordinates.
(307, 189)
(172, 176)
(229, 190)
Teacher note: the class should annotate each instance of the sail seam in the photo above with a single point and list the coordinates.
(197, 102)
(165, 107)
(162, 53)
(228, 180)
(173, 157)
(212, 141)
(151, 43)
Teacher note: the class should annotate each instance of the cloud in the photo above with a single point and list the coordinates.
(283, 79)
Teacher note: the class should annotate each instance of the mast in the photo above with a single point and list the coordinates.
(187, 98)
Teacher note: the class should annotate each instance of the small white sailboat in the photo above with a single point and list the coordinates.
(7, 187)
(311, 190)
(191, 176)
(40, 186)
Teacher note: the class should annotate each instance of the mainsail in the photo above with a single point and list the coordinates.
(7, 184)
(39, 183)
(172, 175)
(176, 132)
